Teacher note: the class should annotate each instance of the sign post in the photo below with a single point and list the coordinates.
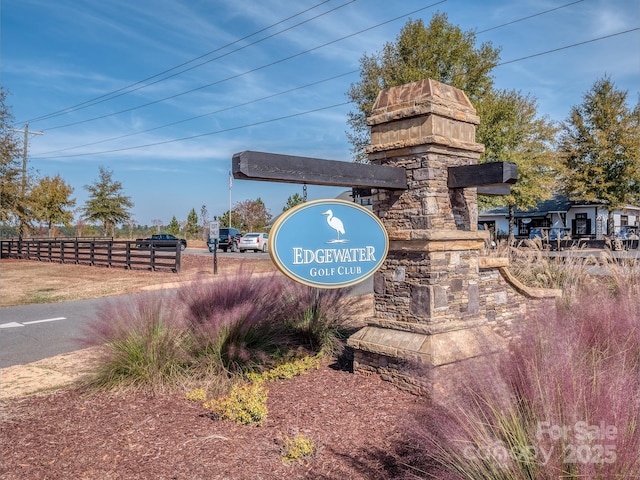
(214, 233)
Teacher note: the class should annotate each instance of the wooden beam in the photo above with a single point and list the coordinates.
(490, 173)
(273, 167)
(494, 190)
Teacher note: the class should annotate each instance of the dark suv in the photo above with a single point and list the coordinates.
(228, 238)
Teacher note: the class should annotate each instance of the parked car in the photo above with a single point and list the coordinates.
(229, 238)
(627, 232)
(164, 241)
(536, 233)
(254, 241)
(551, 235)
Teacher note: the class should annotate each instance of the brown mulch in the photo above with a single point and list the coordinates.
(355, 422)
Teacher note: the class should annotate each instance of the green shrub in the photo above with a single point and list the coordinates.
(246, 404)
(297, 448)
(286, 370)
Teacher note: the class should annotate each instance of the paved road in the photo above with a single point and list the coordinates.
(32, 332)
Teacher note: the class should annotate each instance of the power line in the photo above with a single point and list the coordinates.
(86, 104)
(141, 83)
(232, 107)
(253, 70)
(192, 137)
(314, 83)
(528, 17)
(567, 46)
(318, 109)
(111, 95)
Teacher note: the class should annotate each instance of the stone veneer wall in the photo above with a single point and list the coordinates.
(501, 302)
(437, 302)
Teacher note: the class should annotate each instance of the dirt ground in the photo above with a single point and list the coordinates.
(52, 430)
(28, 282)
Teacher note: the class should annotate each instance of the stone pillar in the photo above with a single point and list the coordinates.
(427, 294)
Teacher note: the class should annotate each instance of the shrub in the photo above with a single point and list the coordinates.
(233, 323)
(144, 344)
(563, 403)
(215, 330)
(320, 318)
(246, 404)
(297, 448)
(286, 370)
(196, 395)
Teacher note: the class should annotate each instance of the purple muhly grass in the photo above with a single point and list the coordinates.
(319, 317)
(234, 321)
(563, 402)
(137, 314)
(143, 343)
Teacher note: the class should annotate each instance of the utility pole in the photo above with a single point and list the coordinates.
(23, 189)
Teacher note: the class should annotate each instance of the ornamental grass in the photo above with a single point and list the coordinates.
(564, 402)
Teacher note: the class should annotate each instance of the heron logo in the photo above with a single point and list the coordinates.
(328, 243)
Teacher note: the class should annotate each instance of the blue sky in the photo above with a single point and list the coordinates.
(164, 92)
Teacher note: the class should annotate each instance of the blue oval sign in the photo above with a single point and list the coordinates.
(328, 243)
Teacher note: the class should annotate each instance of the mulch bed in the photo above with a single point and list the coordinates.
(355, 421)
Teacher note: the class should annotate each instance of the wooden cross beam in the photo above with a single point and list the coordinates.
(491, 178)
(315, 171)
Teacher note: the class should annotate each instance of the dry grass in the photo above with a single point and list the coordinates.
(26, 282)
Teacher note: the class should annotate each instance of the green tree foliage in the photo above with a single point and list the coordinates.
(107, 204)
(512, 131)
(292, 201)
(440, 51)
(192, 227)
(52, 202)
(174, 226)
(204, 221)
(235, 221)
(510, 127)
(600, 147)
(11, 198)
(252, 215)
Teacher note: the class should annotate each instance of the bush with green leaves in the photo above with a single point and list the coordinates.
(296, 448)
(245, 404)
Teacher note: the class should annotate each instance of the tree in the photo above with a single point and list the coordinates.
(106, 203)
(252, 214)
(440, 51)
(510, 127)
(51, 201)
(514, 132)
(192, 228)
(204, 218)
(174, 227)
(292, 201)
(599, 144)
(12, 202)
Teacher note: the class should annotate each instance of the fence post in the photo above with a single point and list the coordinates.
(178, 256)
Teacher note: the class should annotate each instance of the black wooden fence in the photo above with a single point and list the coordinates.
(95, 252)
